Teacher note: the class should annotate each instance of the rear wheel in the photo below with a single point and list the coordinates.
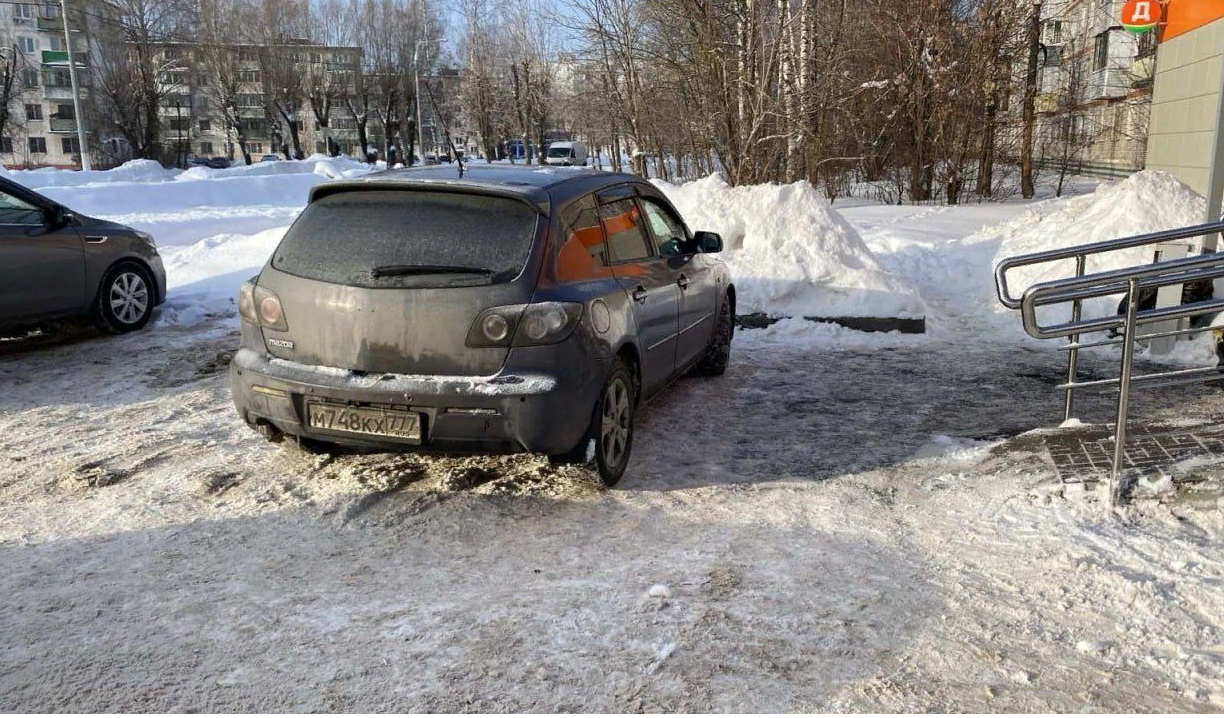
(611, 428)
(714, 362)
(125, 298)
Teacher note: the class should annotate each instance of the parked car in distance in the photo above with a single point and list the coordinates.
(270, 158)
(55, 263)
(566, 153)
(199, 161)
(497, 309)
(218, 163)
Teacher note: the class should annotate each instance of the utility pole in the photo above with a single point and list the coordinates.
(1030, 99)
(76, 92)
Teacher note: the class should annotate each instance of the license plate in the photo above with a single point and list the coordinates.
(364, 420)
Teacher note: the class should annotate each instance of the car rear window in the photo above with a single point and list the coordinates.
(342, 237)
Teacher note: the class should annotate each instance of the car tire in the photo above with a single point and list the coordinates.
(611, 428)
(714, 362)
(126, 297)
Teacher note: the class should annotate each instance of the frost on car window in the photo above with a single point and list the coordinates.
(342, 237)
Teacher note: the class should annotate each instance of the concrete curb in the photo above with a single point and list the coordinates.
(760, 320)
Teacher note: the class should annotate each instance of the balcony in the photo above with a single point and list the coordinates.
(51, 24)
(64, 92)
(54, 58)
(59, 124)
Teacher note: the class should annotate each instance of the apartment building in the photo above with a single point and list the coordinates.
(44, 131)
(193, 125)
(1094, 89)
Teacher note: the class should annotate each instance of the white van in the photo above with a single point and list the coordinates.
(566, 153)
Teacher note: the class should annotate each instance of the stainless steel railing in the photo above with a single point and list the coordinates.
(1131, 281)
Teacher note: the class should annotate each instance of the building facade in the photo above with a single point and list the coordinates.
(194, 123)
(43, 130)
(1094, 89)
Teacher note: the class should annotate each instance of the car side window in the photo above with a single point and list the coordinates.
(669, 234)
(14, 210)
(622, 222)
(583, 253)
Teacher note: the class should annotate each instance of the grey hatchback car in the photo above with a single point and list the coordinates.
(55, 263)
(494, 309)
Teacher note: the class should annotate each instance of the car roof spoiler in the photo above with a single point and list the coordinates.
(533, 196)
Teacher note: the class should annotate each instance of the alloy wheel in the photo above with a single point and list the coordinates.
(614, 427)
(129, 297)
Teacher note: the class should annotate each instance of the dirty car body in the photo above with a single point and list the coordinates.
(480, 310)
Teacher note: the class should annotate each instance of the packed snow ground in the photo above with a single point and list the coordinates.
(842, 522)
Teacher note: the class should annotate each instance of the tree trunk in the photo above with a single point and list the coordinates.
(1027, 188)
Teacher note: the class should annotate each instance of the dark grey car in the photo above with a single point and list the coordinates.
(55, 264)
(496, 309)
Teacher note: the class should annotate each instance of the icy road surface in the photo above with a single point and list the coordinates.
(842, 522)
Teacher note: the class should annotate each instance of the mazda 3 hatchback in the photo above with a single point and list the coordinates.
(496, 309)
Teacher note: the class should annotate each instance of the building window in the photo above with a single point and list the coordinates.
(24, 11)
(316, 58)
(321, 147)
(206, 148)
(1147, 44)
(29, 77)
(6, 145)
(57, 44)
(1100, 54)
(178, 124)
(38, 145)
(72, 146)
(250, 100)
(1054, 32)
(65, 112)
(58, 78)
(206, 126)
(26, 44)
(34, 112)
(254, 148)
(172, 78)
(51, 12)
(248, 75)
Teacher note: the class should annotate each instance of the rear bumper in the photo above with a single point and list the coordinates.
(503, 413)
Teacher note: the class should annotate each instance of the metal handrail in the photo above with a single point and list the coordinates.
(1084, 250)
(1131, 280)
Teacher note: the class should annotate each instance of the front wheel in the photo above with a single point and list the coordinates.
(125, 300)
(714, 362)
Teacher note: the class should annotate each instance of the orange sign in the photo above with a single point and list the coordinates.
(1141, 15)
(1182, 16)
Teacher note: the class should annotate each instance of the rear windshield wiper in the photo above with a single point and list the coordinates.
(403, 270)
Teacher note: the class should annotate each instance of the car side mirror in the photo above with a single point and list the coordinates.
(55, 216)
(709, 242)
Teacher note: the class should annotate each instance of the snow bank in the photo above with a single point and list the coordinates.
(790, 253)
(132, 171)
(1145, 202)
(180, 208)
(203, 279)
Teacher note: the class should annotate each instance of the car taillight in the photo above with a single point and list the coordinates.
(262, 307)
(524, 325)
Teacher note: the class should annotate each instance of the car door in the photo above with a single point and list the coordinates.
(42, 268)
(648, 281)
(693, 275)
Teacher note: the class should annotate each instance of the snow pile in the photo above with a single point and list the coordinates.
(204, 278)
(322, 165)
(131, 171)
(790, 253)
(1145, 202)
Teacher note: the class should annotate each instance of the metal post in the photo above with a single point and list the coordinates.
(416, 67)
(1073, 358)
(1124, 383)
(76, 93)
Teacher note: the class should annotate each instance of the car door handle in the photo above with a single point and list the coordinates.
(683, 282)
(95, 240)
(639, 295)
